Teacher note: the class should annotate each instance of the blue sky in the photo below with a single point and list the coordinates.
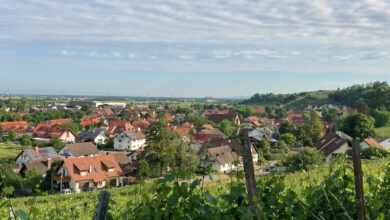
(200, 48)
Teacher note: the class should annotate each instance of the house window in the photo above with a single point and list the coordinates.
(83, 173)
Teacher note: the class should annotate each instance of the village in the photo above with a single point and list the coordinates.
(110, 139)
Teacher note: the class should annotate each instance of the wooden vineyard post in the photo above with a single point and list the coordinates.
(101, 209)
(357, 170)
(250, 176)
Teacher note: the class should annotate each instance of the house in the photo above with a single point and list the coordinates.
(219, 159)
(41, 165)
(124, 163)
(78, 150)
(20, 127)
(205, 136)
(133, 155)
(253, 121)
(95, 137)
(90, 120)
(129, 141)
(384, 141)
(370, 142)
(45, 133)
(333, 144)
(36, 154)
(117, 127)
(183, 129)
(223, 115)
(81, 173)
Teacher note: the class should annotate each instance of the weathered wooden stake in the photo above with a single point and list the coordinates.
(357, 170)
(250, 176)
(101, 209)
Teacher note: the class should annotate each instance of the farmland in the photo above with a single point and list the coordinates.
(9, 150)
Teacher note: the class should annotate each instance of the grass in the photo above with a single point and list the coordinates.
(10, 150)
(383, 131)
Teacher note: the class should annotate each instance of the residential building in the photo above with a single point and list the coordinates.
(20, 127)
(129, 141)
(333, 144)
(79, 150)
(219, 159)
(384, 141)
(370, 142)
(95, 137)
(95, 172)
(36, 154)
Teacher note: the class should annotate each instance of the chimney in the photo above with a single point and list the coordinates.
(49, 161)
(36, 149)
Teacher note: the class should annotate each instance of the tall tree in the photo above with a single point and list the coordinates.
(357, 125)
(11, 135)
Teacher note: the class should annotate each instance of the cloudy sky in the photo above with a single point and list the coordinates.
(191, 48)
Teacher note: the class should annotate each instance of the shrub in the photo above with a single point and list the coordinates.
(308, 158)
(374, 152)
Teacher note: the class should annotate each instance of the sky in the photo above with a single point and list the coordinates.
(179, 48)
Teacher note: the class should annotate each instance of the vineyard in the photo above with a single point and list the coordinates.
(326, 192)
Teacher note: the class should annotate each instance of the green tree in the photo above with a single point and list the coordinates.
(357, 125)
(1, 133)
(8, 177)
(268, 110)
(283, 146)
(307, 159)
(21, 106)
(86, 109)
(363, 108)
(109, 143)
(287, 127)
(382, 117)
(317, 128)
(72, 126)
(281, 113)
(25, 140)
(227, 127)
(32, 180)
(56, 143)
(11, 135)
(289, 139)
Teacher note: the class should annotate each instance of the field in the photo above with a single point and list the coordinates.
(383, 131)
(82, 206)
(9, 150)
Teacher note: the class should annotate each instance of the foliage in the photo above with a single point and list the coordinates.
(25, 140)
(1, 133)
(283, 146)
(198, 120)
(227, 127)
(289, 139)
(374, 152)
(330, 115)
(357, 125)
(382, 117)
(72, 126)
(56, 143)
(167, 149)
(280, 113)
(11, 135)
(286, 127)
(373, 94)
(245, 111)
(32, 180)
(8, 178)
(307, 159)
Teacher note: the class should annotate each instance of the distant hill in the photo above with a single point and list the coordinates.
(293, 101)
(375, 95)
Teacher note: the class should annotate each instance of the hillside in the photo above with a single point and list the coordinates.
(375, 95)
(293, 101)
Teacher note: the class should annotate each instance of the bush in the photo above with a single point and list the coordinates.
(274, 156)
(308, 158)
(374, 152)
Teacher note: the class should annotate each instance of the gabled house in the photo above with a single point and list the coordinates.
(41, 165)
(333, 144)
(78, 150)
(46, 133)
(95, 137)
(36, 154)
(129, 141)
(223, 115)
(370, 142)
(384, 141)
(184, 130)
(205, 136)
(20, 127)
(219, 159)
(90, 120)
(95, 172)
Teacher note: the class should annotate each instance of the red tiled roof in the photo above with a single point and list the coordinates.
(259, 110)
(98, 167)
(373, 143)
(17, 126)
